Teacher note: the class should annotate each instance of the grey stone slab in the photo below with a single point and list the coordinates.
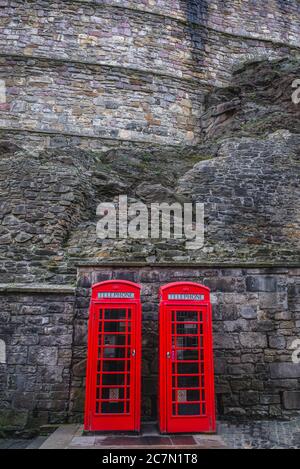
(37, 442)
(61, 438)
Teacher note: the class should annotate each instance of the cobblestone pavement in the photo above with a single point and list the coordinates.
(261, 434)
(250, 435)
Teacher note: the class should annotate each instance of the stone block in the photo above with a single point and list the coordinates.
(248, 311)
(291, 400)
(11, 419)
(253, 340)
(285, 370)
(43, 355)
(277, 342)
(261, 284)
(225, 341)
(249, 398)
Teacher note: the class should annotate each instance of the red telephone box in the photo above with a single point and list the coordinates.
(113, 381)
(186, 373)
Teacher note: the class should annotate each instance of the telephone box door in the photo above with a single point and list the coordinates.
(186, 394)
(114, 358)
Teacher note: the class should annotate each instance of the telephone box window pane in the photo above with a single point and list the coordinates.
(117, 326)
(112, 407)
(193, 395)
(188, 381)
(188, 354)
(114, 352)
(119, 339)
(187, 328)
(187, 368)
(187, 316)
(115, 314)
(182, 342)
(113, 379)
(114, 365)
(113, 394)
(189, 409)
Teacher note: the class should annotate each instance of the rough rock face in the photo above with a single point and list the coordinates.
(246, 172)
(43, 196)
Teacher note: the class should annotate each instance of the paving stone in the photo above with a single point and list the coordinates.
(183, 440)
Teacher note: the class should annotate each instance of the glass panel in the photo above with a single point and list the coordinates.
(187, 368)
(114, 339)
(189, 381)
(189, 409)
(113, 379)
(187, 316)
(187, 328)
(188, 354)
(112, 408)
(185, 341)
(112, 393)
(116, 365)
(116, 326)
(115, 314)
(185, 395)
(111, 352)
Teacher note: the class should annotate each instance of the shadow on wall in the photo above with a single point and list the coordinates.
(197, 13)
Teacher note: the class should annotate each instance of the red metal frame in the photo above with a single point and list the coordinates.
(186, 372)
(113, 379)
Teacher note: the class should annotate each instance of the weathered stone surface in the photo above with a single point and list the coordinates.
(243, 355)
(36, 374)
(285, 370)
(253, 340)
(291, 400)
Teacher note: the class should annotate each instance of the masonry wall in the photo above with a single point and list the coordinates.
(123, 72)
(37, 330)
(256, 319)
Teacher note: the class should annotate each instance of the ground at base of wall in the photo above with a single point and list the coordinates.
(262, 434)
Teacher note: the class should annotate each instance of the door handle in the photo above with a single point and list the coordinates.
(133, 353)
(168, 355)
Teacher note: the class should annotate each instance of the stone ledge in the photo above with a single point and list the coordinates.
(36, 288)
(178, 265)
(82, 135)
(185, 21)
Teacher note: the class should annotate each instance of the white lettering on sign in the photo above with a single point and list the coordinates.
(115, 295)
(180, 296)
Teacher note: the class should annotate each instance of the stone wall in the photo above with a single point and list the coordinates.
(36, 325)
(256, 319)
(114, 71)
